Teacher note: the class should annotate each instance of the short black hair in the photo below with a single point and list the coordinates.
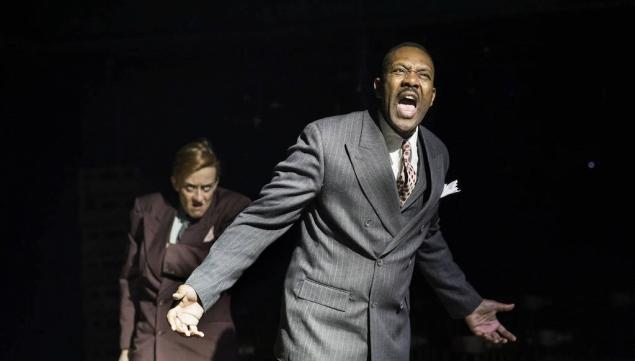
(407, 44)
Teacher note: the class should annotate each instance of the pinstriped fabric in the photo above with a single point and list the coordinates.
(346, 288)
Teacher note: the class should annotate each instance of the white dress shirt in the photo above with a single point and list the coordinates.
(177, 224)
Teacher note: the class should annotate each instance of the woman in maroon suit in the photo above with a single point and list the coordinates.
(166, 242)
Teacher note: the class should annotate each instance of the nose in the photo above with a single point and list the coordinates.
(410, 79)
(198, 195)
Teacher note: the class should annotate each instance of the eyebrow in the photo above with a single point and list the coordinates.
(409, 67)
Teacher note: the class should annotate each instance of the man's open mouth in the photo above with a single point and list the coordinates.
(407, 104)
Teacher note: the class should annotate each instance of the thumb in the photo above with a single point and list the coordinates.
(181, 293)
(505, 306)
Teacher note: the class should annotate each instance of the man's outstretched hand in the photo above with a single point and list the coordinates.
(483, 322)
(184, 317)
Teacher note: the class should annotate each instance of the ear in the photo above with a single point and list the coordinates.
(434, 96)
(174, 184)
(377, 86)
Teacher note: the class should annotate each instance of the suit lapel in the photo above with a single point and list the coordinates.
(435, 184)
(157, 228)
(371, 165)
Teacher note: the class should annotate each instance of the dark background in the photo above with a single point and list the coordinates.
(534, 101)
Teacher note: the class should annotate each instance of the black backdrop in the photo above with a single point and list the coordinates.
(534, 103)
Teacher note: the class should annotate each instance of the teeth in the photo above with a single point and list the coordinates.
(409, 99)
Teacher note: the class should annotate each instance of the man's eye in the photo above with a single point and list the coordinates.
(189, 188)
(207, 188)
(399, 71)
(423, 75)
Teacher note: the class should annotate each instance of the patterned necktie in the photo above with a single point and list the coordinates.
(408, 176)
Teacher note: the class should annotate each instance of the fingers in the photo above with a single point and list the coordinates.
(181, 327)
(186, 328)
(489, 337)
(188, 318)
(499, 336)
(177, 296)
(176, 323)
(184, 322)
(172, 318)
(194, 330)
(506, 334)
(493, 337)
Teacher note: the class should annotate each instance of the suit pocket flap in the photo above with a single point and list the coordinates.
(322, 294)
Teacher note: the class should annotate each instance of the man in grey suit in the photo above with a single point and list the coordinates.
(365, 188)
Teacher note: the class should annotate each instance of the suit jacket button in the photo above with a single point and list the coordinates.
(373, 304)
(380, 263)
(368, 223)
(401, 305)
(160, 333)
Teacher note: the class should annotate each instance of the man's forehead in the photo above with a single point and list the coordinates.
(412, 55)
(202, 183)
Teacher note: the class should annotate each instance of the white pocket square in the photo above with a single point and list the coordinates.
(452, 187)
(210, 235)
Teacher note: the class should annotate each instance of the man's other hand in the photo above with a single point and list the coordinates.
(184, 317)
(483, 322)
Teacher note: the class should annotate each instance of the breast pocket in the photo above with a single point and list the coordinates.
(335, 298)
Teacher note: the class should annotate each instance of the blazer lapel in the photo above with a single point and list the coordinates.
(157, 228)
(436, 179)
(371, 165)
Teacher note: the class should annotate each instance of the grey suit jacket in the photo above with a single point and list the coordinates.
(346, 293)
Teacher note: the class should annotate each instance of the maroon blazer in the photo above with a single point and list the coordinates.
(154, 269)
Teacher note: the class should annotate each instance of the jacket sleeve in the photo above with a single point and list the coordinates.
(295, 183)
(129, 271)
(181, 259)
(434, 260)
